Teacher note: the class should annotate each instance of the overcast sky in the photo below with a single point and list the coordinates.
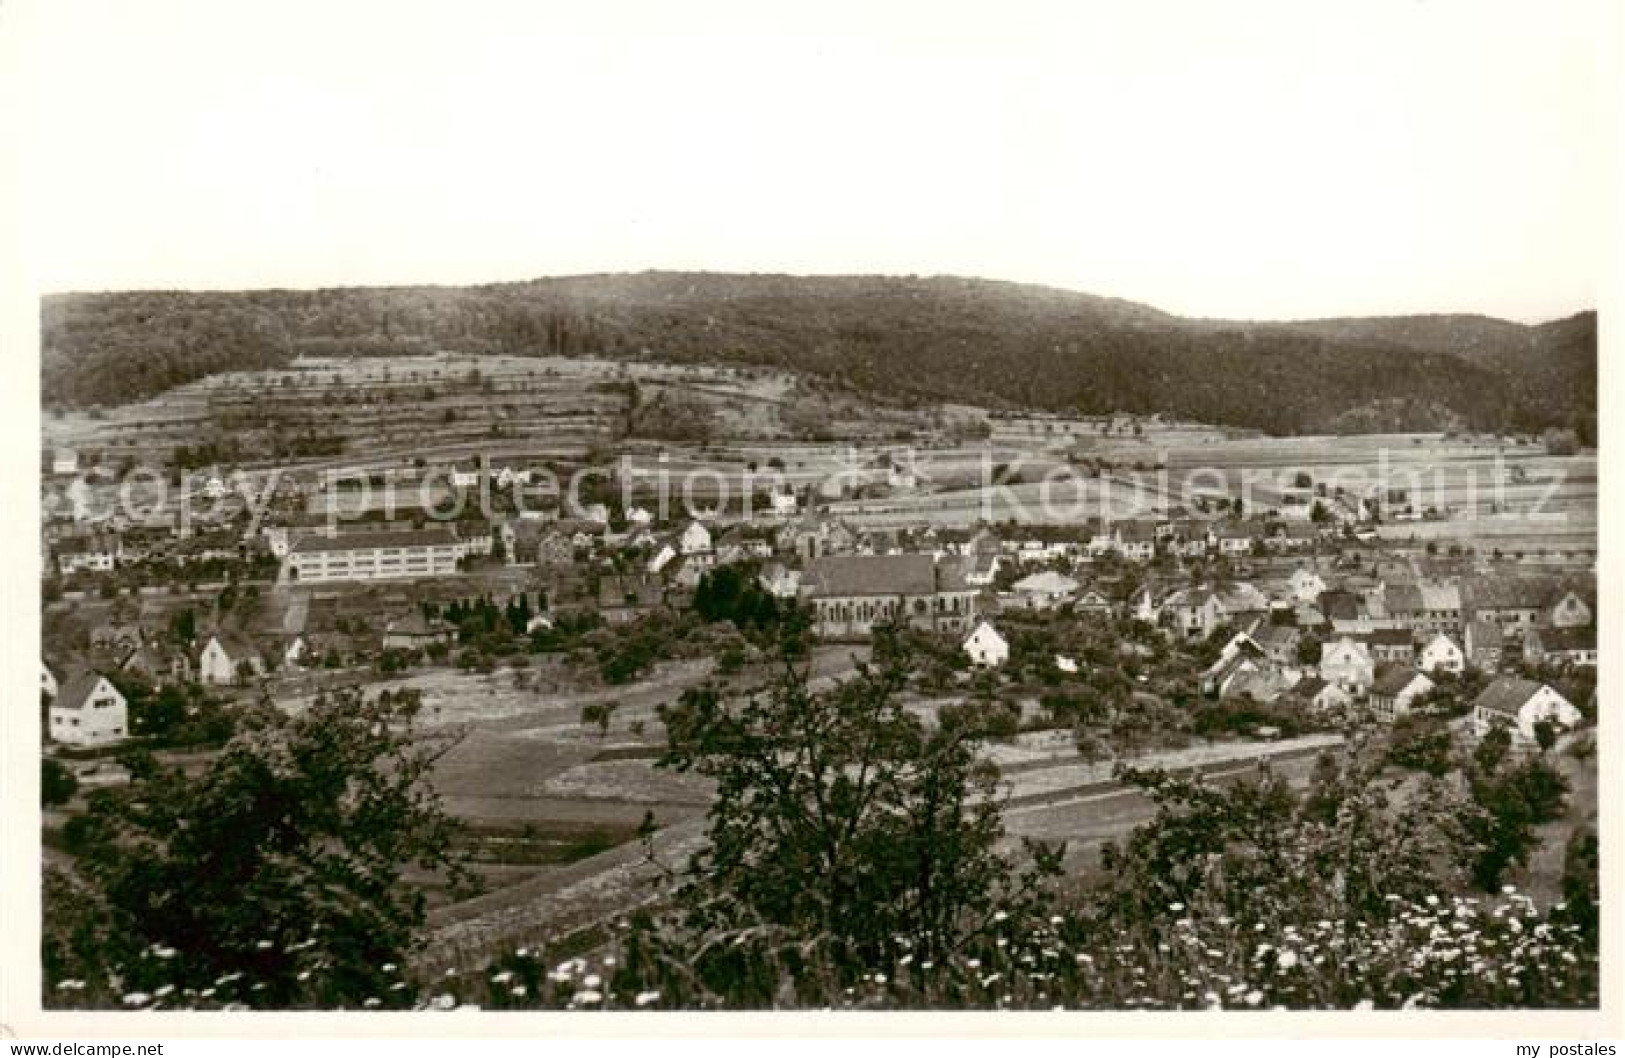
(1242, 159)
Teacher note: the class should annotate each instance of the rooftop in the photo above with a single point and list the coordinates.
(433, 537)
(860, 575)
(1506, 695)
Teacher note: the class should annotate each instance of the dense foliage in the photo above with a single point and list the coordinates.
(854, 857)
(942, 339)
(284, 858)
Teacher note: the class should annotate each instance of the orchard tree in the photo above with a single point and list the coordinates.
(841, 822)
(285, 862)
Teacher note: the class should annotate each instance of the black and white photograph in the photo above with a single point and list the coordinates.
(612, 511)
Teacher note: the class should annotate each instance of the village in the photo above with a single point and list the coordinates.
(549, 624)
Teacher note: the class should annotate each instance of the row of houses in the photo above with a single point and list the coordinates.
(1258, 664)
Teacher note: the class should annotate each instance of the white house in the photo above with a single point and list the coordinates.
(981, 570)
(640, 517)
(89, 712)
(65, 461)
(221, 656)
(1394, 689)
(986, 647)
(1441, 654)
(1045, 591)
(1348, 664)
(1570, 611)
(1519, 705)
(783, 502)
(779, 580)
(1305, 585)
(696, 539)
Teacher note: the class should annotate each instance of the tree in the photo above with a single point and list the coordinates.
(288, 854)
(840, 823)
(1421, 743)
(1253, 850)
(1545, 735)
(1492, 750)
(1512, 803)
(57, 783)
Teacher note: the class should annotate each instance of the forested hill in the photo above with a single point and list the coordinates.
(895, 338)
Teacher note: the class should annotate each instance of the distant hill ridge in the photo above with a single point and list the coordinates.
(897, 338)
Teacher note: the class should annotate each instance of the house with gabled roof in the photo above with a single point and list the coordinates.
(1192, 612)
(1575, 647)
(1518, 705)
(226, 659)
(1569, 610)
(1394, 690)
(1395, 645)
(985, 647)
(1347, 663)
(1514, 603)
(157, 662)
(1279, 642)
(1137, 539)
(1093, 602)
(695, 539)
(1316, 696)
(1044, 591)
(88, 711)
(1425, 606)
(779, 580)
(1236, 538)
(1441, 654)
(416, 632)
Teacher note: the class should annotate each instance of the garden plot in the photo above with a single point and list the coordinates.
(637, 781)
(1040, 781)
